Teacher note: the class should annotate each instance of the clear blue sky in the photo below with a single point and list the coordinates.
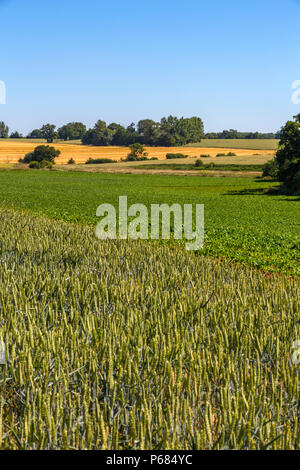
(230, 62)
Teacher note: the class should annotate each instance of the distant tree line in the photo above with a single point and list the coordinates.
(169, 132)
(234, 134)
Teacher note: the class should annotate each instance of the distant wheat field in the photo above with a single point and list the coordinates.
(12, 151)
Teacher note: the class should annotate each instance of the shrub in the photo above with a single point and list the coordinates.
(295, 186)
(271, 169)
(221, 155)
(137, 153)
(198, 163)
(205, 156)
(98, 161)
(45, 164)
(231, 154)
(211, 165)
(38, 165)
(171, 156)
(35, 165)
(71, 161)
(40, 153)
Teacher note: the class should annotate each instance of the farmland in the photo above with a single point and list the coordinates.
(246, 220)
(86, 323)
(116, 345)
(12, 150)
(252, 144)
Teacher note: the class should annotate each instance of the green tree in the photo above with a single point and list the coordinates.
(123, 136)
(42, 153)
(35, 134)
(99, 135)
(288, 155)
(137, 153)
(184, 130)
(147, 131)
(72, 131)
(48, 132)
(3, 130)
(15, 135)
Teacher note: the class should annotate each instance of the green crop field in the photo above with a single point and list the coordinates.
(252, 144)
(210, 167)
(131, 345)
(243, 221)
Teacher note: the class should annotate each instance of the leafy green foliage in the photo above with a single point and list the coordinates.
(42, 153)
(99, 135)
(15, 135)
(34, 165)
(288, 155)
(97, 161)
(4, 130)
(72, 131)
(171, 131)
(35, 134)
(271, 169)
(234, 134)
(137, 153)
(48, 132)
(172, 156)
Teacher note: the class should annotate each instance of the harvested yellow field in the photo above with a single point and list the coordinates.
(11, 152)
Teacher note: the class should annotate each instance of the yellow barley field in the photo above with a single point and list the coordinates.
(11, 152)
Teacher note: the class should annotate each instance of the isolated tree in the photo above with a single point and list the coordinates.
(137, 153)
(72, 131)
(48, 132)
(42, 153)
(3, 130)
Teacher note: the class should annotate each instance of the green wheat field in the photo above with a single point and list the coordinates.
(118, 345)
